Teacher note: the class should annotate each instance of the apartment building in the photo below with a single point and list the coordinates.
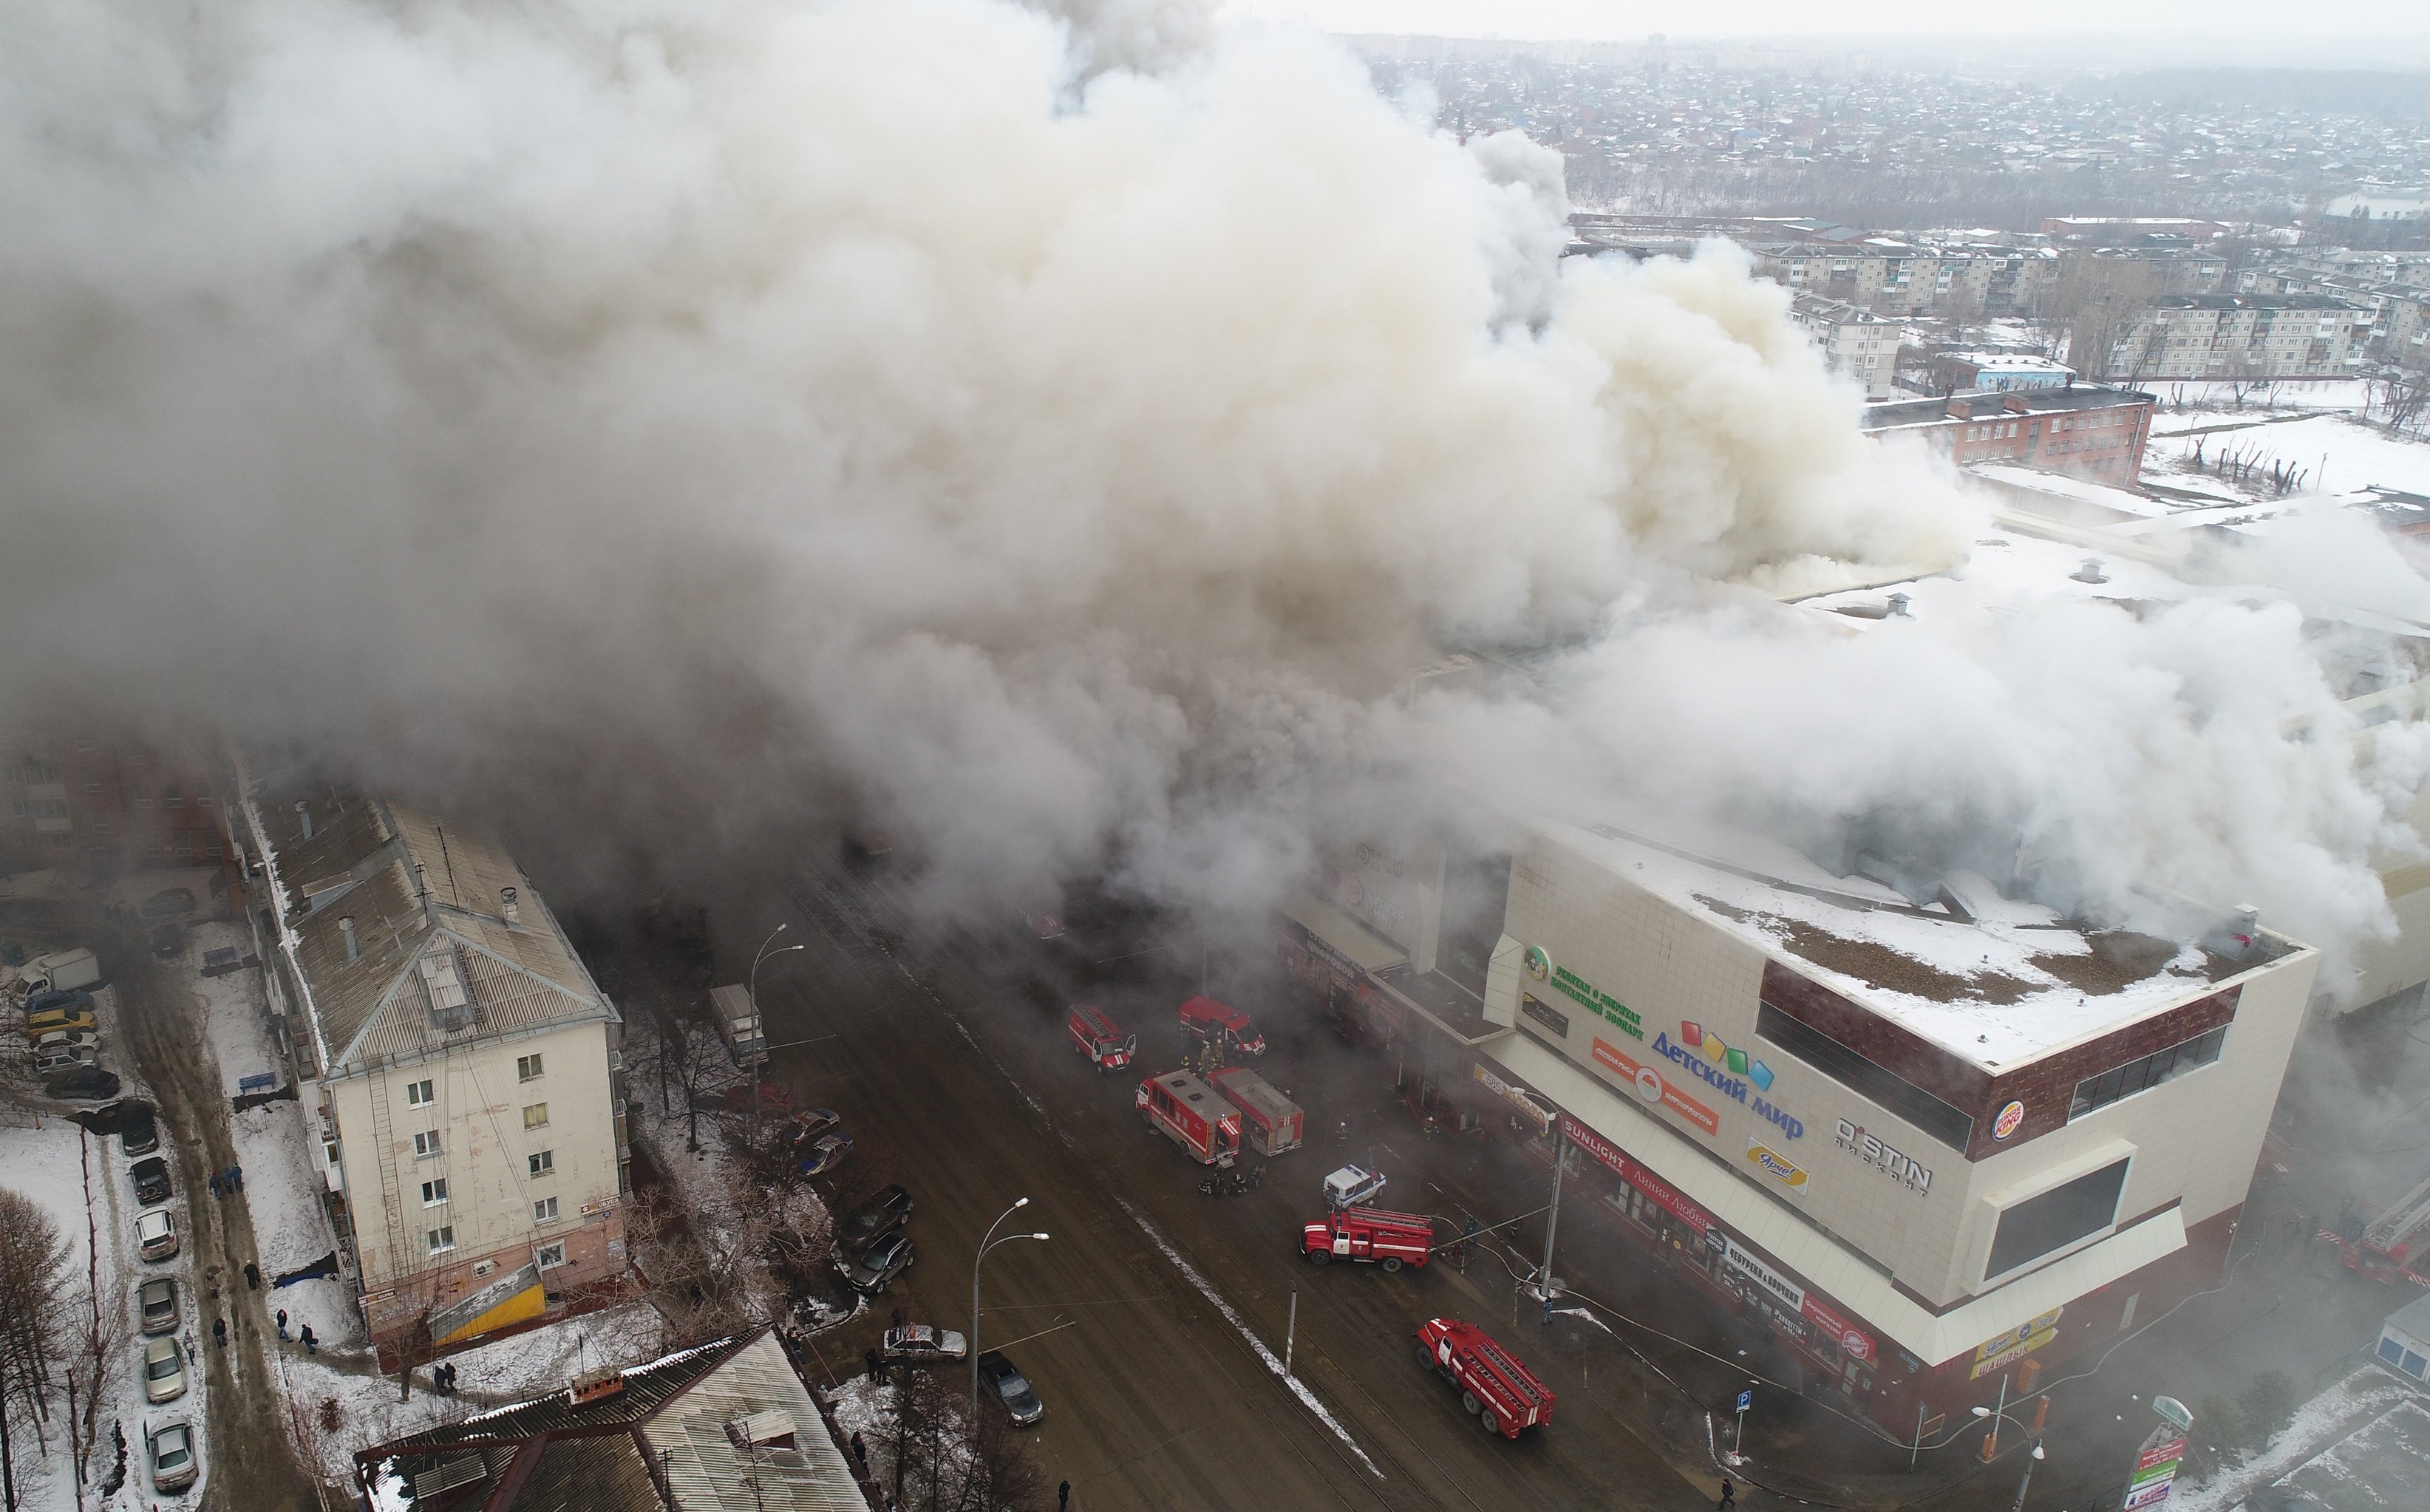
(103, 802)
(1892, 277)
(2242, 335)
(2083, 430)
(1856, 343)
(465, 1066)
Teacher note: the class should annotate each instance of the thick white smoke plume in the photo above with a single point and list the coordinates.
(1055, 435)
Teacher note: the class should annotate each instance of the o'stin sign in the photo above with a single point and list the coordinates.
(2006, 1123)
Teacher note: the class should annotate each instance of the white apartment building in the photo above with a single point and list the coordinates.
(1853, 341)
(2242, 335)
(465, 1066)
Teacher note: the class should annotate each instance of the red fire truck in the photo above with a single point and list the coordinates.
(1203, 1018)
(1272, 1123)
(2391, 1243)
(1192, 1116)
(1093, 1035)
(1388, 1240)
(1492, 1385)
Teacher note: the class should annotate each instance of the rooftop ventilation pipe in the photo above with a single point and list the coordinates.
(511, 910)
(304, 814)
(2090, 571)
(1898, 606)
(346, 927)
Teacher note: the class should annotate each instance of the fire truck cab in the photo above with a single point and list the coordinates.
(1505, 1396)
(1191, 1116)
(1094, 1035)
(1203, 1018)
(1388, 1240)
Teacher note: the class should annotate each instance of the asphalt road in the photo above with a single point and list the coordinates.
(1142, 1320)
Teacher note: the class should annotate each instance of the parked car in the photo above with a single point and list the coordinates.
(164, 1372)
(880, 1263)
(151, 1180)
(167, 903)
(880, 1215)
(49, 1010)
(86, 1083)
(811, 1123)
(156, 1304)
(167, 939)
(61, 1050)
(1010, 1389)
(825, 1155)
(139, 1133)
(155, 1233)
(171, 1450)
(921, 1344)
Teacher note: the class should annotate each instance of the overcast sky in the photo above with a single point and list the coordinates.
(1629, 20)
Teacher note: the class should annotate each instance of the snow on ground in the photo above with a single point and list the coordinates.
(512, 1369)
(80, 1181)
(2317, 1425)
(2339, 453)
(2334, 394)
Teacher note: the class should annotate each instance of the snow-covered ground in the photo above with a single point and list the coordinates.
(2317, 1425)
(80, 1181)
(2329, 393)
(2339, 453)
(284, 1184)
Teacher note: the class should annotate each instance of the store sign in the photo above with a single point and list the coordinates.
(1664, 1195)
(1767, 1280)
(2011, 1354)
(2011, 1116)
(1551, 1018)
(1999, 1345)
(1526, 1102)
(1709, 1060)
(1853, 1341)
(1764, 1158)
(1654, 1087)
(1594, 1000)
(2156, 1469)
(1895, 1164)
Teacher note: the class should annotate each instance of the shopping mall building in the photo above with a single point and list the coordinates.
(1927, 1145)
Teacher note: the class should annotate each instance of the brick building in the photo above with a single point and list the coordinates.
(88, 799)
(2083, 429)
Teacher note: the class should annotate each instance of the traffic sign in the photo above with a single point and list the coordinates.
(1746, 1399)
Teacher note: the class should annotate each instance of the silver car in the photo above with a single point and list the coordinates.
(156, 1301)
(171, 1449)
(164, 1372)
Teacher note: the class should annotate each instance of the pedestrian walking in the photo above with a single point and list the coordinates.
(860, 1454)
(282, 1326)
(311, 1345)
(190, 1345)
(1062, 1496)
(1729, 1496)
(870, 1358)
(215, 1184)
(236, 1175)
(252, 1277)
(219, 1333)
(451, 1379)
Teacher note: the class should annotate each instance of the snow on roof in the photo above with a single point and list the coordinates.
(2003, 988)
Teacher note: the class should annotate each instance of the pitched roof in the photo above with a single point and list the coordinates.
(391, 914)
(695, 1430)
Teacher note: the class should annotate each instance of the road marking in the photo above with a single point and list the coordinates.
(1273, 1363)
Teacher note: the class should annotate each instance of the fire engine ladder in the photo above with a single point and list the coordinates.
(384, 1155)
(2401, 1218)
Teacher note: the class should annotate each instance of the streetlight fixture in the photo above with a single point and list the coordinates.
(2031, 1460)
(760, 1024)
(989, 1242)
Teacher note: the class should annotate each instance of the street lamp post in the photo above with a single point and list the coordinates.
(2000, 1416)
(757, 1023)
(989, 1242)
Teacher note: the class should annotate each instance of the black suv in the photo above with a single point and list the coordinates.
(881, 1214)
(139, 1134)
(151, 1181)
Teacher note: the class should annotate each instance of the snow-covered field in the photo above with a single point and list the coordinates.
(2339, 453)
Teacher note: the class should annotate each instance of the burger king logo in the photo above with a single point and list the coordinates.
(2005, 1125)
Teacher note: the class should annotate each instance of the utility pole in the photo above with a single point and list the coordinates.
(1553, 1219)
(1291, 1331)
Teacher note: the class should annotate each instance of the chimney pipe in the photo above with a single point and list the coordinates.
(1898, 606)
(2090, 571)
(304, 812)
(346, 927)
(508, 907)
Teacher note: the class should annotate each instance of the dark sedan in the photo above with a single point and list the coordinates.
(881, 1214)
(881, 1263)
(83, 1084)
(151, 1181)
(1004, 1381)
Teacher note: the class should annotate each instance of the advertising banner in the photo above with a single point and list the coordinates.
(1665, 1196)
(1654, 1087)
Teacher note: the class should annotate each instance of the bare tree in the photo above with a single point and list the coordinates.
(36, 1323)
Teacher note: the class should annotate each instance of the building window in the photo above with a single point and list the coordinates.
(426, 1145)
(526, 1068)
(2146, 1072)
(544, 1211)
(441, 1238)
(535, 1115)
(550, 1254)
(1845, 1066)
(420, 1094)
(434, 1191)
(541, 1162)
(2057, 1219)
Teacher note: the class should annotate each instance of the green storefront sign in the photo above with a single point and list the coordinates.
(1620, 1015)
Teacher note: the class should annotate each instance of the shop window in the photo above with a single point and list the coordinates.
(2057, 1219)
(549, 1256)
